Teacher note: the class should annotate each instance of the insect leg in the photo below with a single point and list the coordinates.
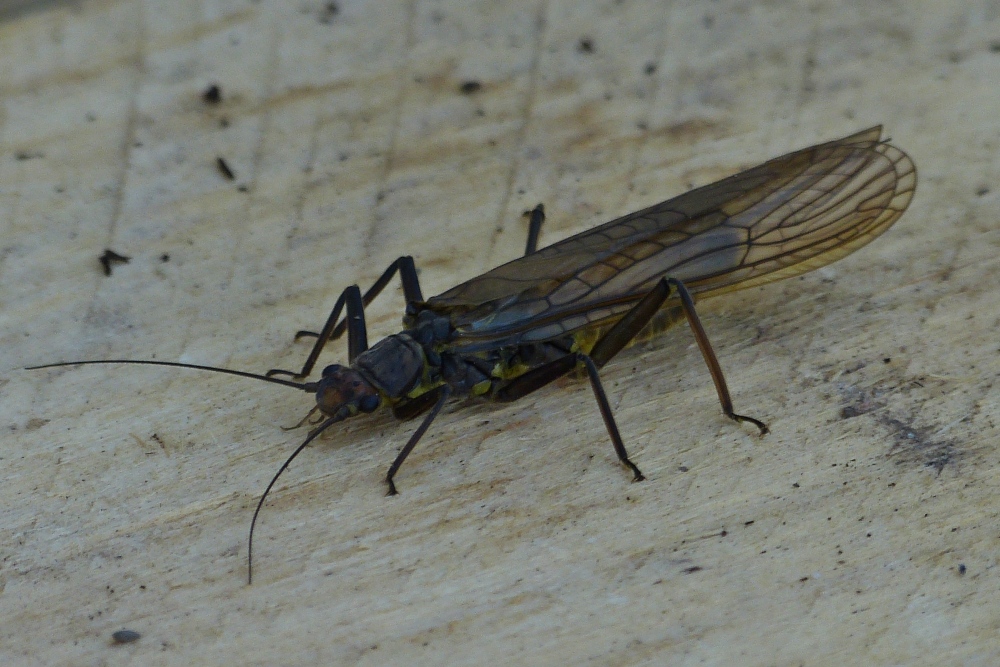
(541, 376)
(536, 217)
(442, 394)
(333, 329)
(634, 320)
(354, 322)
(357, 334)
(411, 292)
(606, 414)
(709, 354)
(629, 326)
(407, 278)
(608, 346)
(413, 407)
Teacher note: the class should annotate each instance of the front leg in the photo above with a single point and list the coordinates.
(357, 332)
(354, 323)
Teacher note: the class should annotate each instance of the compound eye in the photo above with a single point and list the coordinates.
(369, 403)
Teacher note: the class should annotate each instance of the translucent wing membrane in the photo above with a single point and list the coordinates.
(787, 216)
(784, 217)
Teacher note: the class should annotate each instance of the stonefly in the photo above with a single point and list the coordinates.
(575, 304)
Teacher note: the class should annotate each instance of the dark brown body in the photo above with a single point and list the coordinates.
(575, 304)
(782, 218)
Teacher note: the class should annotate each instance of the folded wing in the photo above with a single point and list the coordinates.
(787, 216)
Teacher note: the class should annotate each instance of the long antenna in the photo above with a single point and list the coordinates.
(304, 386)
(284, 466)
(310, 387)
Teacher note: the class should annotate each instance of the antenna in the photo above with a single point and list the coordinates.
(304, 386)
(310, 387)
(284, 466)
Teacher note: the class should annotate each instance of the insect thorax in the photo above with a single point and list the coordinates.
(395, 365)
(424, 357)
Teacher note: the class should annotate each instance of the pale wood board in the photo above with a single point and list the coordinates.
(862, 530)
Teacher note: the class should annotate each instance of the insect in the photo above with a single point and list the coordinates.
(574, 305)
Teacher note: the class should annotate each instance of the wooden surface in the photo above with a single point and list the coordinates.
(862, 530)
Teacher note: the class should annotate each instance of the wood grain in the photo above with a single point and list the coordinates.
(860, 531)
